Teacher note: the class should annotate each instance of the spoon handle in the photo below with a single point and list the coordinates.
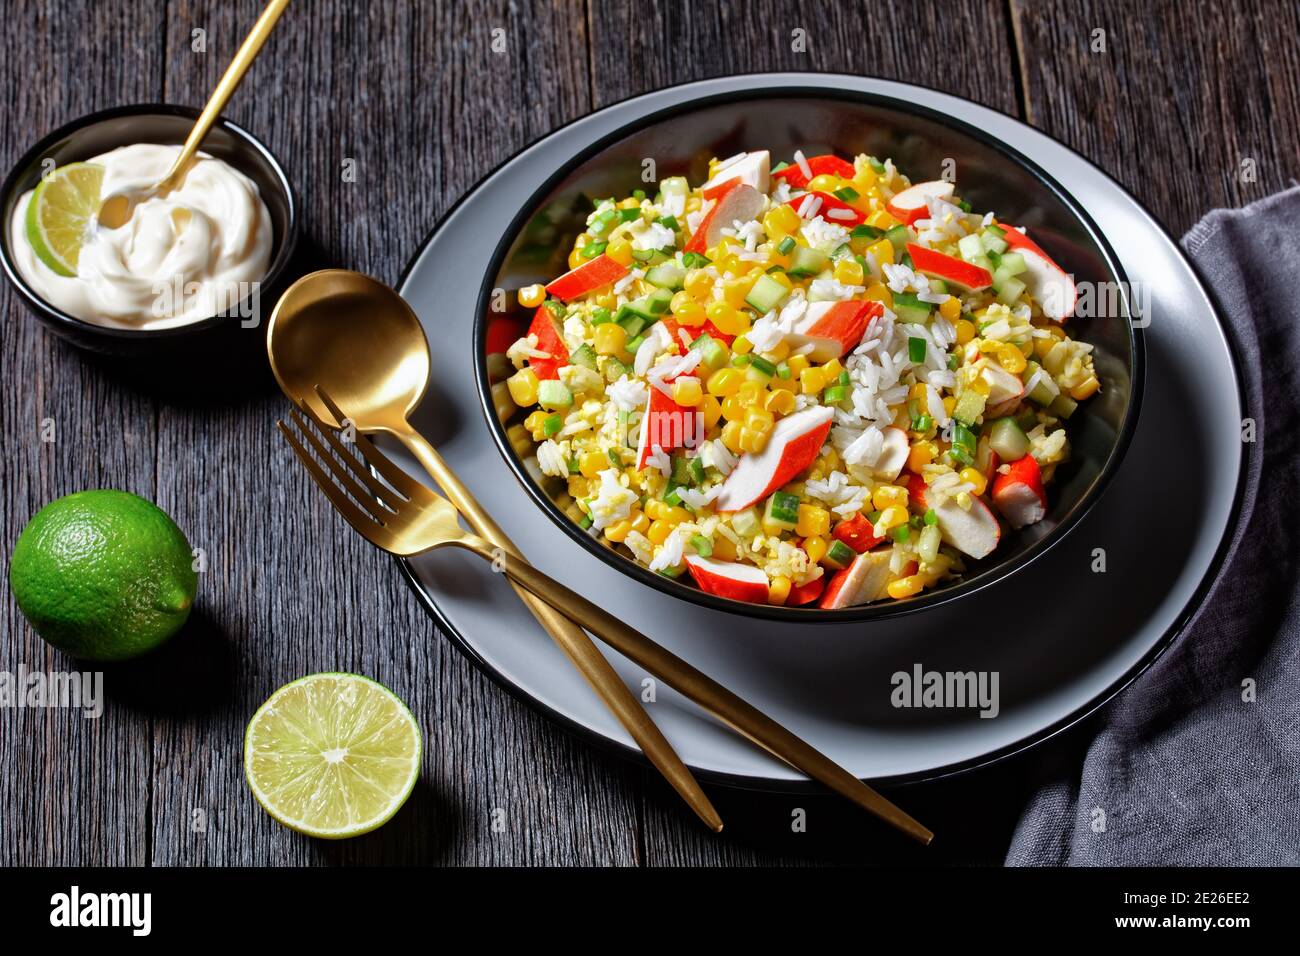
(738, 714)
(572, 639)
(248, 51)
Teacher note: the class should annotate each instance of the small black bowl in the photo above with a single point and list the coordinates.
(925, 144)
(153, 123)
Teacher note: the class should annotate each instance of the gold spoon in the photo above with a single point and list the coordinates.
(116, 210)
(360, 342)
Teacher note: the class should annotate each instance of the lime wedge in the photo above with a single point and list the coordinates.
(332, 755)
(62, 213)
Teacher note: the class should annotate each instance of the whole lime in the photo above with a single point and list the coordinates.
(104, 575)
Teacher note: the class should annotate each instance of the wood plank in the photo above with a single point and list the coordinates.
(1183, 96)
(415, 94)
(70, 791)
(643, 46)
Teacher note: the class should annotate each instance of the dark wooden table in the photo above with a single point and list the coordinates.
(1181, 101)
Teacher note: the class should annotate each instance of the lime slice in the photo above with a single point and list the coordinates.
(61, 214)
(332, 755)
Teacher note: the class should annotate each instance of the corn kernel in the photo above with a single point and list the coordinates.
(733, 409)
(778, 352)
(723, 549)
(892, 517)
(675, 515)
(735, 290)
(752, 441)
(641, 522)
(905, 587)
(1085, 389)
(950, 308)
(881, 220)
(592, 463)
(832, 369)
(742, 345)
(920, 455)
(759, 420)
(824, 183)
(655, 509)
(658, 531)
(848, 271)
(889, 496)
(816, 547)
(687, 391)
(620, 250)
(618, 531)
(575, 259)
(965, 331)
(782, 219)
(778, 590)
(797, 364)
(879, 292)
(725, 381)
(749, 392)
(698, 284)
(813, 521)
(523, 387)
(812, 381)
(531, 296)
(712, 409)
(883, 251)
(974, 477)
(949, 404)
(731, 434)
(779, 402)
(728, 320)
(610, 338)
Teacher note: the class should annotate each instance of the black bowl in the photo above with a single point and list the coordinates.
(991, 175)
(154, 123)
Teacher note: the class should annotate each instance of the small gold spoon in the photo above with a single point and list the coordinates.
(116, 210)
(358, 340)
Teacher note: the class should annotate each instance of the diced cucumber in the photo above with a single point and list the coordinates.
(614, 369)
(909, 308)
(782, 511)
(1009, 290)
(552, 393)
(746, 523)
(715, 354)
(992, 243)
(1012, 264)
(552, 424)
(632, 323)
(585, 356)
(899, 237)
(939, 286)
(1008, 440)
(599, 316)
(765, 294)
(1063, 406)
(697, 469)
(681, 470)
(970, 247)
(667, 275)
(839, 555)
(807, 262)
(675, 186)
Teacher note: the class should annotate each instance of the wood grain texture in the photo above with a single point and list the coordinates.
(1185, 100)
(420, 99)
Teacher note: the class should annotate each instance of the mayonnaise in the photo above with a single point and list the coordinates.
(182, 257)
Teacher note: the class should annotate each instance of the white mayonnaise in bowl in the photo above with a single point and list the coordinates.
(197, 265)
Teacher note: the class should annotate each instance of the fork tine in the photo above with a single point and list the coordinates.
(346, 473)
(353, 515)
(393, 500)
(399, 479)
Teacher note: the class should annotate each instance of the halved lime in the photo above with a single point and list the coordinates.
(62, 213)
(332, 755)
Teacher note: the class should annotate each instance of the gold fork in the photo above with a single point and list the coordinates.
(402, 516)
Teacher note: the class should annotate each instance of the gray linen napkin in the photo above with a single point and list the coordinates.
(1185, 770)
